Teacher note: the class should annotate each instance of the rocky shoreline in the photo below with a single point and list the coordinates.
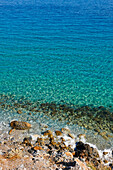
(40, 135)
(55, 150)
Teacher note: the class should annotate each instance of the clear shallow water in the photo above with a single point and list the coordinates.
(57, 53)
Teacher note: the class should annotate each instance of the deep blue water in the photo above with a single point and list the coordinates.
(57, 53)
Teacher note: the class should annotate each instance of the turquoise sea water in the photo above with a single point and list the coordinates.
(57, 53)
(60, 54)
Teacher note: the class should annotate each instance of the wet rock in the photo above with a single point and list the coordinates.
(32, 151)
(95, 162)
(53, 143)
(95, 153)
(80, 146)
(27, 141)
(70, 148)
(58, 133)
(62, 139)
(69, 154)
(81, 135)
(40, 141)
(71, 135)
(62, 146)
(65, 130)
(111, 165)
(105, 161)
(47, 133)
(84, 150)
(20, 125)
(105, 153)
(37, 148)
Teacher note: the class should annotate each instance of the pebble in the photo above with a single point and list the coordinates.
(69, 154)
(65, 130)
(102, 133)
(81, 135)
(105, 153)
(105, 161)
(48, 132)
(105, 137)
(37, 148)
(58, 133)
(19, 112)
(71, 135)
(97, 130)
(110, 136)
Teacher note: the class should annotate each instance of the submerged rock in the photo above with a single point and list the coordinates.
(19, 111)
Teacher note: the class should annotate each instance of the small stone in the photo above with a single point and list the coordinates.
(69, 154)
(57, 146)
(47, 133)
(73, 153)
(50, 136)
(58, 133)
(43, 125)
(81, 135)
(37, 148)
(71, 135)
(27, 139)
(110, 136)
(105, 137)
(40, 141)
(97, 130)
(105, 153)
(30, 113)
(53, 143)
(62, 139)
(105, 161)
(111, 165)
(102, 133)
(19, 112)
(65, 130)
(27, 142)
